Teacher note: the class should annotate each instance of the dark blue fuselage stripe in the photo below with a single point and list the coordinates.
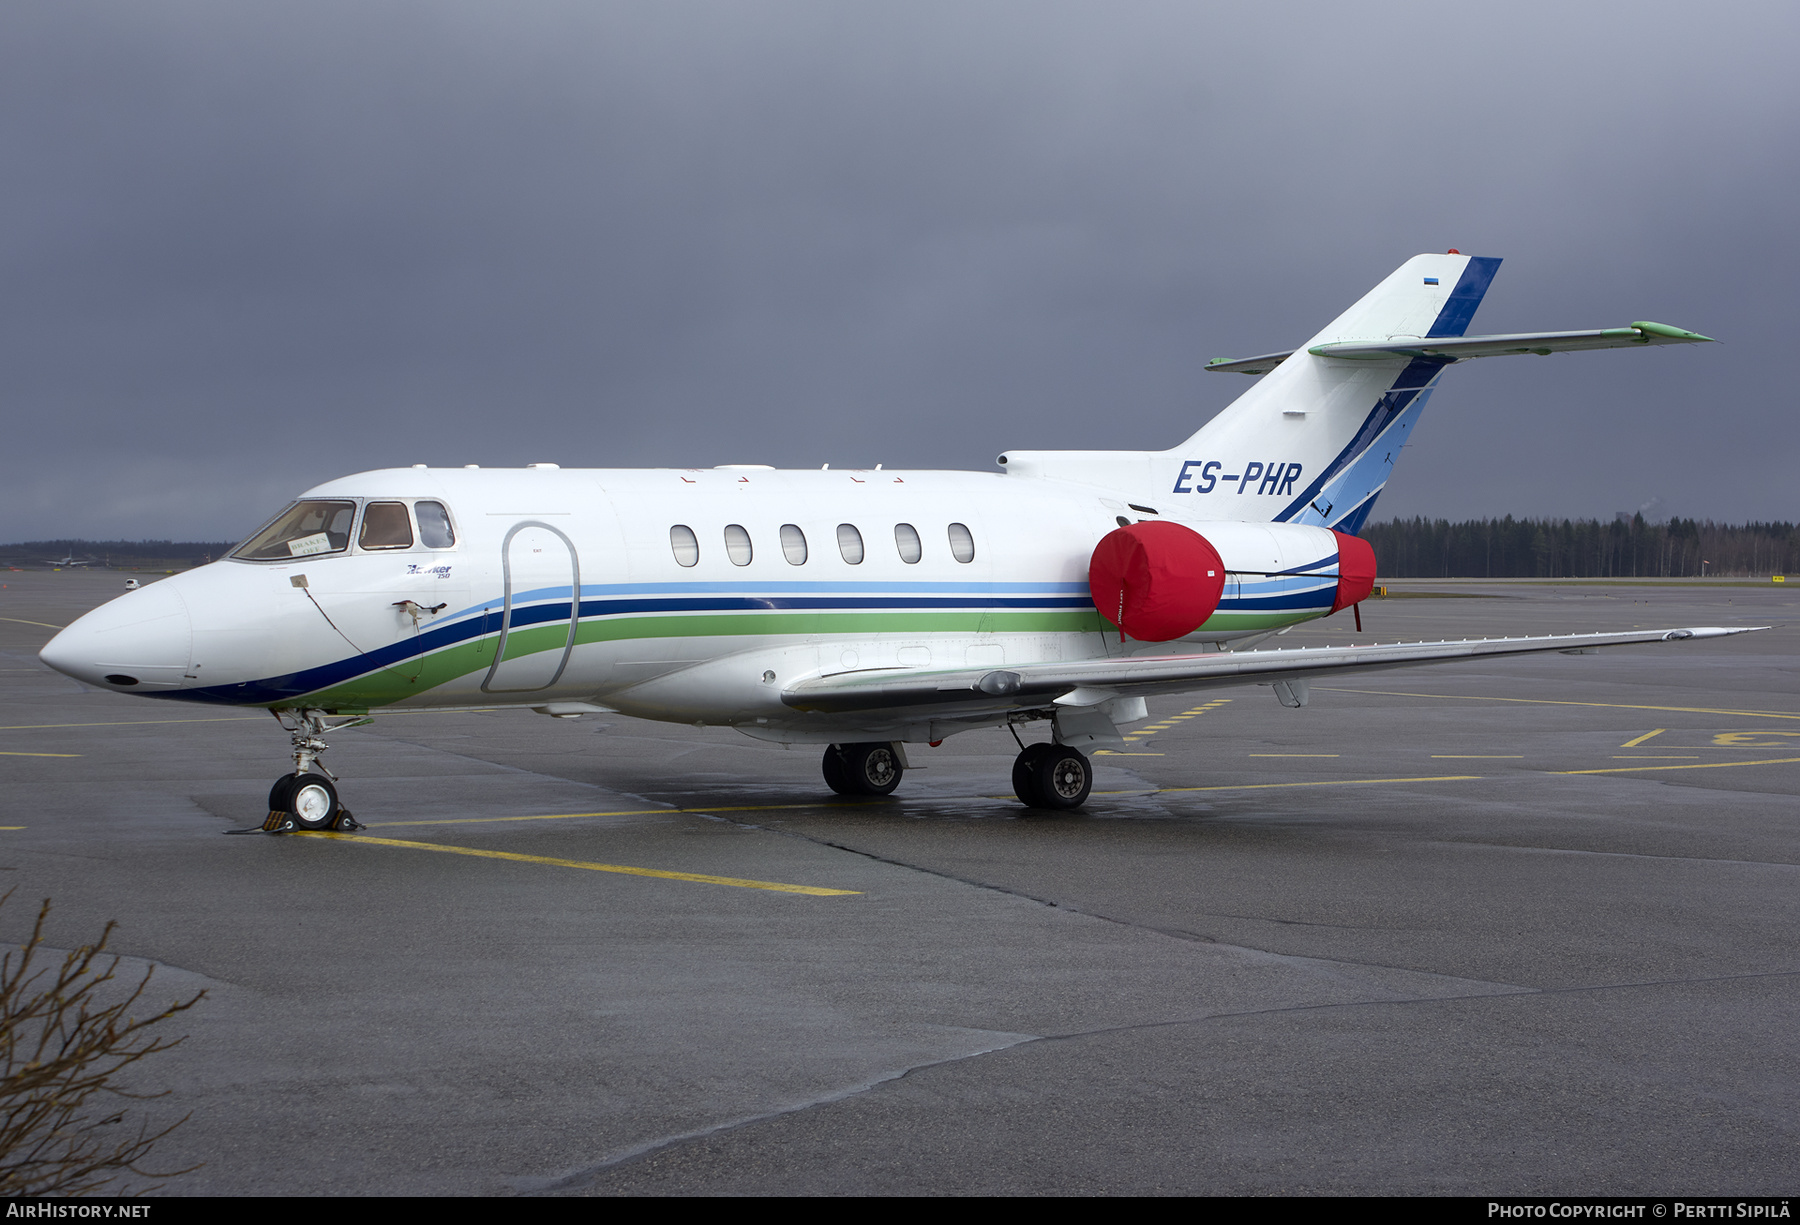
(313, 680)
(1310, 567)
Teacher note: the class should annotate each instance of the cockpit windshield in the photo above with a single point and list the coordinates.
(304, 529)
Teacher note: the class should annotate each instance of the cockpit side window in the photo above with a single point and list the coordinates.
(305, 529)
(385, 525)
(435, 531)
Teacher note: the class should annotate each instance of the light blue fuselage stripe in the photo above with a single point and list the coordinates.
(1296, 595)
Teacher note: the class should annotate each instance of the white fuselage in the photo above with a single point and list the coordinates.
(775, 593)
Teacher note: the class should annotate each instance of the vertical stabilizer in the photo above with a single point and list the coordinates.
(1314, 440)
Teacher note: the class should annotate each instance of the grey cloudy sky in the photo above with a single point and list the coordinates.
(248, 247)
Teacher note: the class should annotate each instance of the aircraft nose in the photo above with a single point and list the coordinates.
(140, 642)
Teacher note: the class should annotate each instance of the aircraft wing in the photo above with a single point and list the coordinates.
(1092, 681)
(1462, 348)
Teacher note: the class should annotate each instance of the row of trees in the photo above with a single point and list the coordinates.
(1580, 548)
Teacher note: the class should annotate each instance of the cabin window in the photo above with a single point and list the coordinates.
(906, 539)
(962, 544)
(737, 544)
(685, 545)
(793, 544)
(385, 525)
(435, 531)
(850, 543)
(305, 529)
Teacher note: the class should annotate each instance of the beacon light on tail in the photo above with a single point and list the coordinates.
(853, 611)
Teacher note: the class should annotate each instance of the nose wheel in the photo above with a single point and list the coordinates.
(1052, 776)
(307, 799)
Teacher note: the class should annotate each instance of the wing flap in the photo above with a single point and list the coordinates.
(970, 690)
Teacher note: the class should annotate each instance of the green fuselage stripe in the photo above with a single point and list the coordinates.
(386, 686)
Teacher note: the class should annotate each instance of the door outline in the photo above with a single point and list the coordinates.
(506, 608)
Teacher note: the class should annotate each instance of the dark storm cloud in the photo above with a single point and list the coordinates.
(247, 248)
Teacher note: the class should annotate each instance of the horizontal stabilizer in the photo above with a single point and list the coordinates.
(1250, 365)
(968, 690)
(1462, 348)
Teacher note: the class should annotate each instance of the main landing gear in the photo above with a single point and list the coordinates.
(863, 769)
(307, 799)
(1048, 776)
(1052, 776)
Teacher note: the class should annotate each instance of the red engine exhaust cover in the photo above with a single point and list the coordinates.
(1157, 581)
(1356, 571)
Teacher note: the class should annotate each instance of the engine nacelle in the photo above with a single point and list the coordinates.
(1159, 581)
(1156, 581)
(1356, 571)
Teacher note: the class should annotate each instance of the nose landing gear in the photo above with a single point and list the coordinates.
(307, 798)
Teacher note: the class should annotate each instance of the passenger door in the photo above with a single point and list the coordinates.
(541, 612)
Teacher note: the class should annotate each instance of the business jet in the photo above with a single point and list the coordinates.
(862, 610)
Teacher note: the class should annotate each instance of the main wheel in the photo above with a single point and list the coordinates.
(862, 769)
(1061, 777)
(1024, 774)
(312, 801)
(837, 775)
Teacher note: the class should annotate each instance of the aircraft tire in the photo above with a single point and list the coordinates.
(1063, 777)
(869, 769)
(837, 774)
(312, 801)
(1024, 775)
(278, 794)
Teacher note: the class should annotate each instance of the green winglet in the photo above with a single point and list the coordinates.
(1673, 333)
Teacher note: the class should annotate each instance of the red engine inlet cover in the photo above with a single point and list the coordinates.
(1157, 581)
(1356, 571)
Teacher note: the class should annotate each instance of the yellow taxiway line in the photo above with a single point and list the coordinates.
(640, 812)
(1476, 697)
(830, 804)
(1705, 765)
(693, 877)
(1333, 782)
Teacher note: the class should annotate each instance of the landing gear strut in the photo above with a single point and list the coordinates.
(862, 769)
(1052, 776)
(307, 798)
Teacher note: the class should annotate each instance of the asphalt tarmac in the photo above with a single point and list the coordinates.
(1512, 927)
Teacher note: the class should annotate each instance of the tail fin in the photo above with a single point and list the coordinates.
(1314, 441)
